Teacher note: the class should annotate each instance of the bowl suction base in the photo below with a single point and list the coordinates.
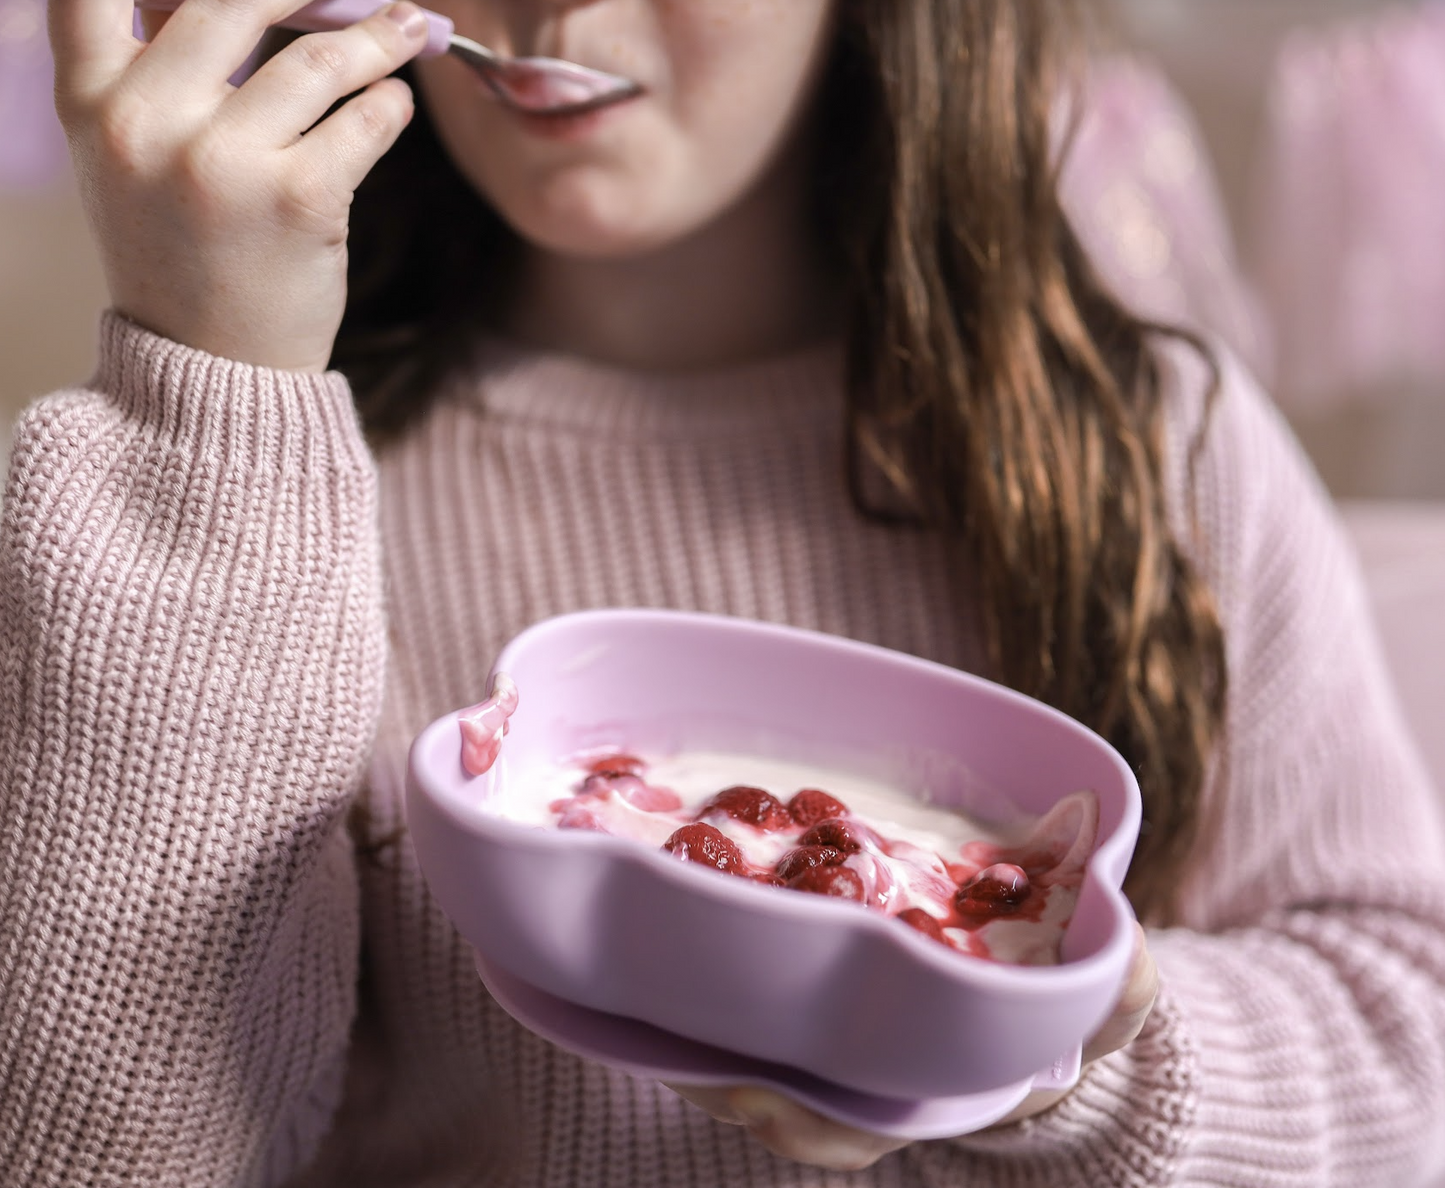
(642, 1050)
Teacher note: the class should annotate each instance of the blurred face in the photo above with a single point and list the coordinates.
(725, 85)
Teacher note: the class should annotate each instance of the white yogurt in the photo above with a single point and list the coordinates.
(926, 851)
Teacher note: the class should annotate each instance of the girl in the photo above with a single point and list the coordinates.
(798, 333)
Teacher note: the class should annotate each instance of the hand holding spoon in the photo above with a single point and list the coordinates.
(532, 85)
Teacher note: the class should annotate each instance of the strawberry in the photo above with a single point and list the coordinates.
(924, 923)
(753, 806)
(794, 862)
(840, 882)
(649, 799)
(811, 805)
(578, 814)
(616, 764)
(847, 836)
(995, 891)
(603, 781)
(600, 784)
(707, 846)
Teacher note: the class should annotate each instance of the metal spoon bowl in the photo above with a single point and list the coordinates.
(542, 86)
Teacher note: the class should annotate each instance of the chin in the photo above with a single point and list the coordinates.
(601, 224)
(593, 241)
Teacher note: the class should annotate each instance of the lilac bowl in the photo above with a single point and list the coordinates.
(834, 990)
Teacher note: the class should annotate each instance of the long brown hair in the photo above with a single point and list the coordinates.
(1005, 397)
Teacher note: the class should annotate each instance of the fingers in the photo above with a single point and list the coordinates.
(1133, 1007)
(790, 1130)
(710, 1100)
(292, 91)
(152, 21)
(795, 1132)
(351, 141)
(204, 42)
(92, 41)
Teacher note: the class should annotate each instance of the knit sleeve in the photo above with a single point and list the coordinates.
(191, 655)
(1299, 1038)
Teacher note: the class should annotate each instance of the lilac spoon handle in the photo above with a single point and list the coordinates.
(338, 14)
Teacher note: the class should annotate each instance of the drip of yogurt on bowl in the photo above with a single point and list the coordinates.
(484, 725)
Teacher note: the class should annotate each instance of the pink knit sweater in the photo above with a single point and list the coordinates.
(221, 622)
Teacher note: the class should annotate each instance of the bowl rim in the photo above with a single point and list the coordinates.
(1105, 865)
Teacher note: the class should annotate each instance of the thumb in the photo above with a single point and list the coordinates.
(1133, 1007)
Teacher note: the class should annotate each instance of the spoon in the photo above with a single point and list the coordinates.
(531, 85)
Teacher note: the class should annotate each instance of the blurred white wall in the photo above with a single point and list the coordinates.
(51, 291)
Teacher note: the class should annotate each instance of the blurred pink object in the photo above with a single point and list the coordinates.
(1402, 547)
(1140, 189)
(1350, 217)
(32, 146)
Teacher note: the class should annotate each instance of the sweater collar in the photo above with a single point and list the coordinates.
(518, 384)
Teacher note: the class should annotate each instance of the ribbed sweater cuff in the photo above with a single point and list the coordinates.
(209, 405)
(1124, 1125)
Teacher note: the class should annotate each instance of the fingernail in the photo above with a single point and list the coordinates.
(411, 18)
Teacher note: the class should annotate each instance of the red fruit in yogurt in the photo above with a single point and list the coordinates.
(707, 846)
(812, 805)
(928, 925)
(753, 806)
(579, 814)
(840, 882)
(641, 796)
(847, 836)
(650, 799)
(817, 844)
(617, 764)
(994, 891)
(794, 862)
